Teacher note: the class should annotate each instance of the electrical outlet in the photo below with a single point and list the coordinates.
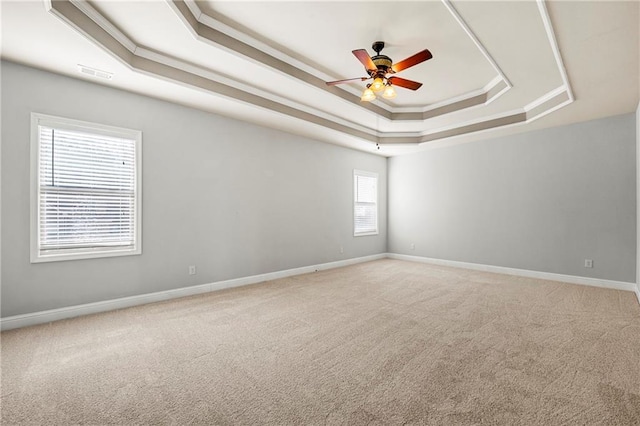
(341, 249)
(588, 263)
(413, 246)
(192, 269)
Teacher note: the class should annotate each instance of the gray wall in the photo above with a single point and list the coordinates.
(233, 198)
(543, 201)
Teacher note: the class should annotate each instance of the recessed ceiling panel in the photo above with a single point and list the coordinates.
(323, 34)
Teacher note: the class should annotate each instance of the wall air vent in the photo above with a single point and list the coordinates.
(95, 72)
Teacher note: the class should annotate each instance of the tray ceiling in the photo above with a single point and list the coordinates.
(495, 64)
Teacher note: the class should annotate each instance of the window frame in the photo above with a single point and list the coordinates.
(364, 173)
(38, 120)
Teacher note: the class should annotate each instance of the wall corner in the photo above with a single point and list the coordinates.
(638, 201)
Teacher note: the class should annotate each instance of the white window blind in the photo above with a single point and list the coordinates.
(366, 203)
(87, 192)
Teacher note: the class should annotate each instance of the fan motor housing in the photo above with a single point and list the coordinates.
(383, 62)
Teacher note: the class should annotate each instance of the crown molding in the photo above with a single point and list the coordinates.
(85, 19)
(551, 36)
(209, 34)
(105, 24)
(209, 29)
(476, 41)
(146, 61)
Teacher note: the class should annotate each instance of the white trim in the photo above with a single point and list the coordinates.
(571, 279)
(550, 110)
(638, 292)
(34, 183)
(459, 98)
(490, 87)
(275, 53)
(37, 120)
(471, 122)
(472, 36)
(43, 317)
(245, 87)
(544, 98)
(105, 24)
(551, 36)
(533, 104)
(194, 8)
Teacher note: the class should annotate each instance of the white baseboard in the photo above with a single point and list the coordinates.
(572, 279)
(638, 292)
(43, 317)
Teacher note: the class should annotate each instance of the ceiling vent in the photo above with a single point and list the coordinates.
(95, 72)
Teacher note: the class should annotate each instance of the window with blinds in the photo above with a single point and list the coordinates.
(365, 209)
(85, 200)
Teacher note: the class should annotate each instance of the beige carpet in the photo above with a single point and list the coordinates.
(383, 343)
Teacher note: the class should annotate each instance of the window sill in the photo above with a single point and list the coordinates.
(363, 234)
(95, 254)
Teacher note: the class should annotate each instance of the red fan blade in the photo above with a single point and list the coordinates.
(412, 60)
(366, 60)
(403, 82)
(333, 83)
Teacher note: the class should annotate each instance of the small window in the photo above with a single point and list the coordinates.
(85, 190)
(365, 209)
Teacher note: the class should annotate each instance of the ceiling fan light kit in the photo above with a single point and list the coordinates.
(377, 85)
(389, 92)
(368, 95)
(379, 68)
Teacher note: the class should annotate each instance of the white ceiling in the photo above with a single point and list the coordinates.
(497, 67)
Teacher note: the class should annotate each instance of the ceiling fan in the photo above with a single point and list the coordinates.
(379, 67)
